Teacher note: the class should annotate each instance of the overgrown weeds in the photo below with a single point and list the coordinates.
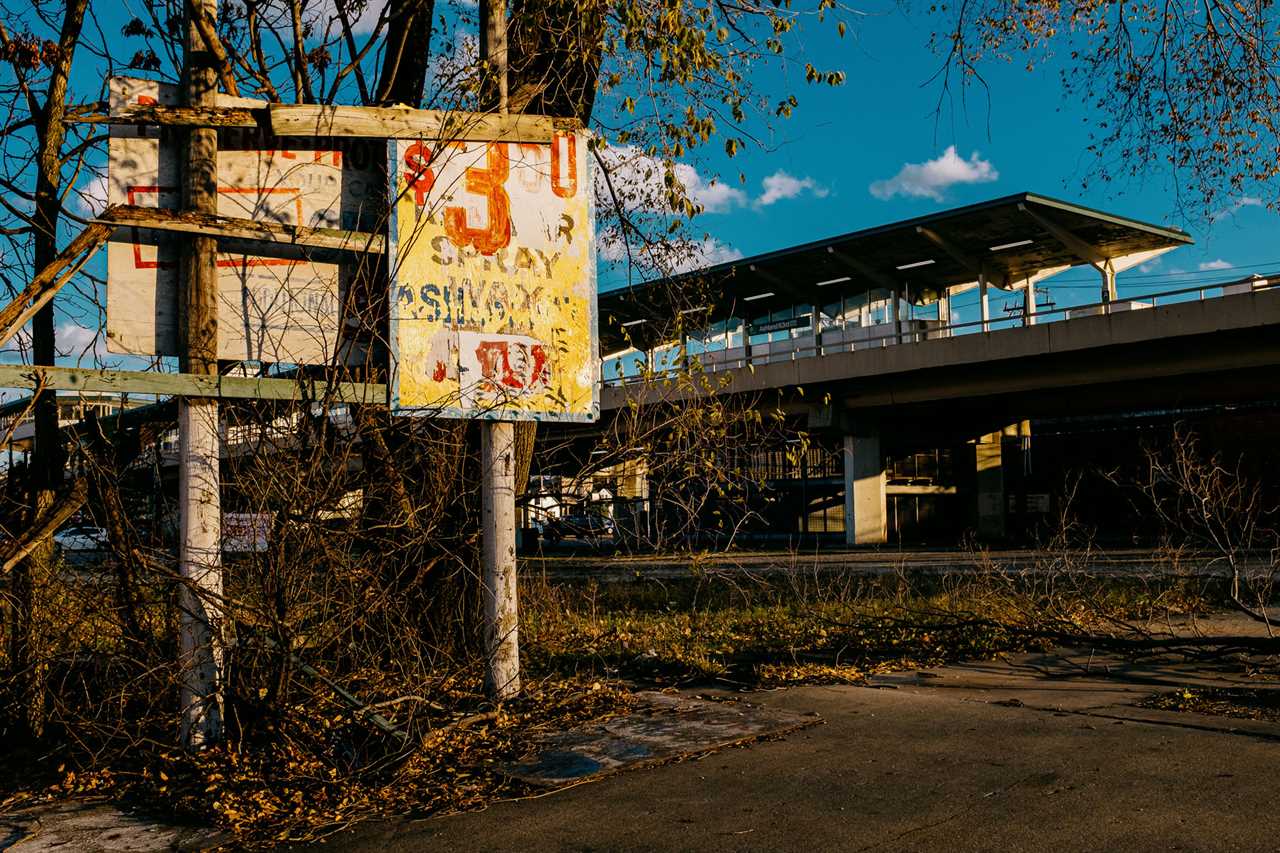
(764, 631)
(312, 763)
(353, 674)
(325, 768)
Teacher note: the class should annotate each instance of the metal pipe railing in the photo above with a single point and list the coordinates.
(903, 336)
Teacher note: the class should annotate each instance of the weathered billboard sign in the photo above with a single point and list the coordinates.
(284, 307)
(493, 287)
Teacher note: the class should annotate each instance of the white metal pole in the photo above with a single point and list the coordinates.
(983, 303)
(200, 642)
(498, 464)
(501, 613)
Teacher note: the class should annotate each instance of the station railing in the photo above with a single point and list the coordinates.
(913, 331)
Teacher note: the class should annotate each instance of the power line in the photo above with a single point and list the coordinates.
(1224, 268)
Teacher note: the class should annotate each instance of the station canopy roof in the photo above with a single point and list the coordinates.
(1010, 240)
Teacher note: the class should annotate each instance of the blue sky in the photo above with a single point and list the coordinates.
(872, 151)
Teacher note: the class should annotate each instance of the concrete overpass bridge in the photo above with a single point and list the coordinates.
(1182, 347)
(861, 337)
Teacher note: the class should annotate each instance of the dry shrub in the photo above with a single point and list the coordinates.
(352, 669)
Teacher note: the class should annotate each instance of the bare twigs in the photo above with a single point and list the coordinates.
(1206, 504)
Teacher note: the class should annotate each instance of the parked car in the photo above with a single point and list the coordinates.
(81, 538)
(585, 526)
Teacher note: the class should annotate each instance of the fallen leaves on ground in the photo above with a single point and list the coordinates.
(308, 780)
(1242, 703)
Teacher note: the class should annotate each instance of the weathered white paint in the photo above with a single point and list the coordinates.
(502, 624)
(283, 307)
(200, 640)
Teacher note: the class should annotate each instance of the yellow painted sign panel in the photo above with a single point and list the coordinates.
(493, 284)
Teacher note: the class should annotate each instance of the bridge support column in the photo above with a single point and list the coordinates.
(865, 511)
(1108, 282)
(989, 484)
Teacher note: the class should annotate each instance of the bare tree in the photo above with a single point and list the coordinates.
(33, 64)
(1206, 505)
(1186, 85)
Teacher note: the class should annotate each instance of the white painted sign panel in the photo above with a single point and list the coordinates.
(285, 307)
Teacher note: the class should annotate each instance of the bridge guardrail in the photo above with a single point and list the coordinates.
(917, 334)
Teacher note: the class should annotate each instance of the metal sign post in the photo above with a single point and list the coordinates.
(493, 304)
(199, 502)
(501, 612)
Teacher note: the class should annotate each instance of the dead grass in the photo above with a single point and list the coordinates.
(310, 764)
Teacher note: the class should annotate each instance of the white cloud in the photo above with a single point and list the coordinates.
(609, 247)
(711, 251)
(780, 186)
(77, 343)
(74, 344)
(91, 199)
(677, 256)
(672, 256)
(362, 19)
(712, 195)
(1236, 206)
(1218, 264)
(932, 178)
(640, 180)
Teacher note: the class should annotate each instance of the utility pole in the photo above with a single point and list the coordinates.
(497, 456)
(200, 642)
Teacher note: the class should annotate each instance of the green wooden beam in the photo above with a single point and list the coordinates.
(188, 385)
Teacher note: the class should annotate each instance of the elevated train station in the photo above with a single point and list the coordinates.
(920, 401)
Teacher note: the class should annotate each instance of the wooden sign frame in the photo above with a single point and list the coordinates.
(279, 119)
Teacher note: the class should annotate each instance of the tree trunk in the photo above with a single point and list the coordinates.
(407, 52)
(556, 49)
(555, 53)
(49, 456)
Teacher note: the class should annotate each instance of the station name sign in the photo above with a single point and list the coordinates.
(764, 328)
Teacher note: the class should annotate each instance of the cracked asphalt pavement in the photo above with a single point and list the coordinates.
(1036, 753)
